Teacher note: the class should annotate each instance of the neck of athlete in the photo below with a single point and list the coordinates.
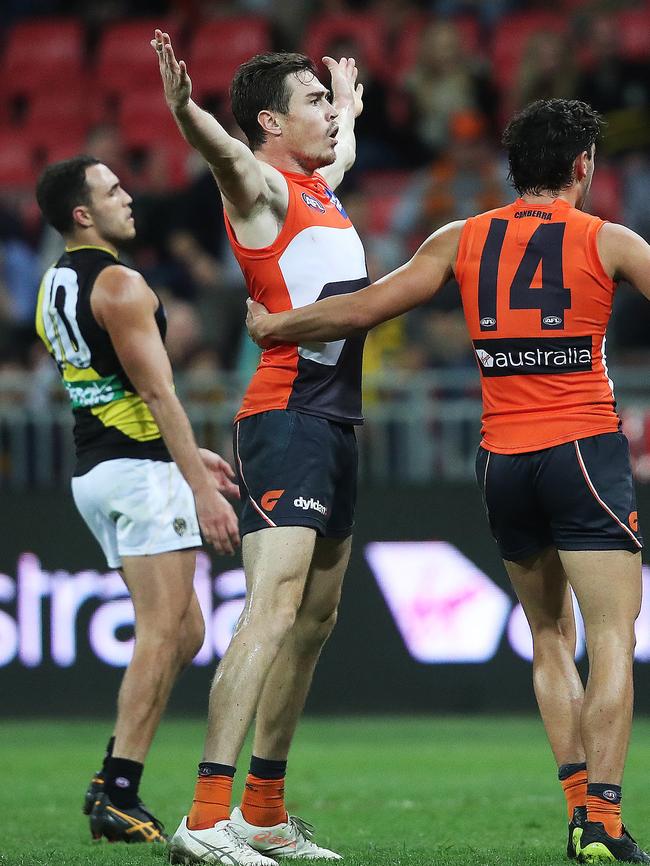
(88, 237)
(572, 196)
(273, 154)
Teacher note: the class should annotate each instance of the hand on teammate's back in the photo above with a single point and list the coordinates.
(254, 315)
(344, 92)
(176, 82)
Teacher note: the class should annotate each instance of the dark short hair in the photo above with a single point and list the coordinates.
(61, 188)
(261, 83)
(543, 141)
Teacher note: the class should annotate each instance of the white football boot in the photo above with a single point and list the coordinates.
(223, 843)
(289, 840)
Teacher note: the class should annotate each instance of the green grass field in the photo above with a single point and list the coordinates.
(383, 792)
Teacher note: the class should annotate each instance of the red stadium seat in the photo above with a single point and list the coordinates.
(17, 163)
(147, 126)
(59, 115)
(145, 121)
(219, 47)
(40, 52)
(362, 29)
(69, 145)
(634, 33)
(511, 37)
(125, 59)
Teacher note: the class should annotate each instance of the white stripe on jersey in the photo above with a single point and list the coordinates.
(316, 256)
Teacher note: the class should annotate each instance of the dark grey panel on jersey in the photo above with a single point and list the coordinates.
(333, 391)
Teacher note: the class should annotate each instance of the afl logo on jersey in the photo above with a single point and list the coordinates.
(312, 202)
(488, 322)
(552, 320)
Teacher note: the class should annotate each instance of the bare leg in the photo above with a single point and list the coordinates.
(289, 679)
(541, 585)
(168, 634)
(607, 584)
(277, 563)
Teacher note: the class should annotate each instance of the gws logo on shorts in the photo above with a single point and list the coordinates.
(633, 520)
(552, 321)
(310, 504)
(529, 356)
(180, 526)
(487, 323)
(485, 358)
(312, 202)
(270, 499)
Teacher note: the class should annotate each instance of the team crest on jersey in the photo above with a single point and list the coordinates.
(337, 204)
(312, 202)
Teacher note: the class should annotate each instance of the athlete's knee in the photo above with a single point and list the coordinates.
(609, 641)
(312, 630)
(166, 639)
(270, 626)
(193, 635)
(553, 634)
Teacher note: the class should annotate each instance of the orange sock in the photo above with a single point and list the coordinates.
(601, 808)
(263, 801)
(575, 790)
(211, 802)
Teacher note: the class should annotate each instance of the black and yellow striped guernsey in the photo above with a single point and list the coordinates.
(111, 420)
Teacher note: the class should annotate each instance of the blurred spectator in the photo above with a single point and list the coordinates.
(467, 179)
(547, 70)
(616, 86)
(444, 82)
(383, 138)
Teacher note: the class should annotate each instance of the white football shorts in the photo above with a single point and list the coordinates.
(137, 507)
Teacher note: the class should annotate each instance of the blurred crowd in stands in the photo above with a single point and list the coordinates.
(440, 78)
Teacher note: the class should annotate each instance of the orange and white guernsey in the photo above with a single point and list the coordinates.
(316, 255)
(537, 301)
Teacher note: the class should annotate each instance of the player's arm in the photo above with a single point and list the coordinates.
(337, 317)
(625, 255)
(124, 305)
(347, 99)
(241, 178)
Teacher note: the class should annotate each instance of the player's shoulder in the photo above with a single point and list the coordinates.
(118, 284)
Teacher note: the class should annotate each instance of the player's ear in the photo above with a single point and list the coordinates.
(581, 165)
(269, 123)
(81, 216)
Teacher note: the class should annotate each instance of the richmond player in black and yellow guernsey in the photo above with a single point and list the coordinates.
(111, 419)
(140, 482)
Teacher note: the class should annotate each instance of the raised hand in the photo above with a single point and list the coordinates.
(345, 92)
(176, 81)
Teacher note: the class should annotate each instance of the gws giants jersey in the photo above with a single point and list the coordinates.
(537, 301)
(316, 255)
(111, 420)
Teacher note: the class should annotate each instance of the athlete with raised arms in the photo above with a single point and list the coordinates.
(295, 444)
